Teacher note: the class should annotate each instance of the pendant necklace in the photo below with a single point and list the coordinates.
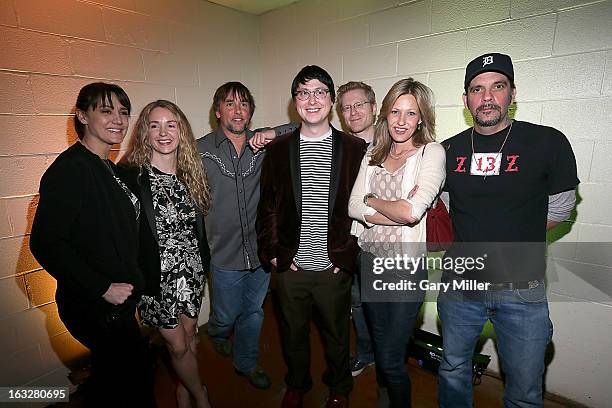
(500, 149)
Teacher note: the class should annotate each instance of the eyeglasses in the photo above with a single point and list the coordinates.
(304, 94)
(357, 106)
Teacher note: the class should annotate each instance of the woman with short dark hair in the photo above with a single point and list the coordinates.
(85, 234)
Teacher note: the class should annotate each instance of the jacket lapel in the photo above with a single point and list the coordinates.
(200, 224)
(147, 201)
(294, 165)
(336, 168)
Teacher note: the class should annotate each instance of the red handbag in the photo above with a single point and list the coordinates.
(439, 227)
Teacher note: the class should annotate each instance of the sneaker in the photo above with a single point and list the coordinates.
(257, 377)
(357, 366)
(223, 347)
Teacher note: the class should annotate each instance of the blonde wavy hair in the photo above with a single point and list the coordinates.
(189, 164)
(424, 133)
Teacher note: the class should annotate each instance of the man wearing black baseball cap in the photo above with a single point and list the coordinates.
(493, 62)
(509, 181)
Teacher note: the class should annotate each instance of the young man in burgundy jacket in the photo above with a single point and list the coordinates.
(303, 232)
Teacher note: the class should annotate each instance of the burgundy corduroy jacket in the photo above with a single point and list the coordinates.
(279, 210)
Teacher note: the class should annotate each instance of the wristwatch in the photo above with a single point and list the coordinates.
(367, 196)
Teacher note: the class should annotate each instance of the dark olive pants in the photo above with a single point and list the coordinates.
(329, 295)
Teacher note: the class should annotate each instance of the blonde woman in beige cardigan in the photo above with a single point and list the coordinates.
(399, 178)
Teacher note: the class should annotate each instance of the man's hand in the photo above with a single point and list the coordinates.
(261, 139)
(336, 269)
(117, 293)
(293, 266)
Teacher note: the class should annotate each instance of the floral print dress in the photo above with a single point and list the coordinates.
(182, 275)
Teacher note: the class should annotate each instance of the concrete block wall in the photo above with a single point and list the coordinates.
(562, 51)
(178, 50)
(182, 50)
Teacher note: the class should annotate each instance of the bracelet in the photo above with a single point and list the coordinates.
(367, 196)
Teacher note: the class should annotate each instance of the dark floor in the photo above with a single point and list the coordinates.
(227, 390)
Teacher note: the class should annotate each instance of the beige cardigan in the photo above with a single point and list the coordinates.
(426, 169)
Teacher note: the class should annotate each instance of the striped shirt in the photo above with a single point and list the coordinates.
(315, 169)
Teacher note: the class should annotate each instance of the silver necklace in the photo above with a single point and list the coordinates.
(500, 149)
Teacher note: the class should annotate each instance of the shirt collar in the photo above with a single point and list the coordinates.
(220, 136)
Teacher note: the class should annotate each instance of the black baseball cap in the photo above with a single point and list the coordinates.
(492, 62)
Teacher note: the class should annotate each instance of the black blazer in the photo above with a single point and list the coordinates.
(85, 232)
(148, 255)
(280, 203)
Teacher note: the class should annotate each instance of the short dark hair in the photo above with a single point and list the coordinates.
(233, 88)
(98, 92)
(313, 72)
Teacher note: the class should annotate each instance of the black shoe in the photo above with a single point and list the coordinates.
(257, 377)
(357, 366)
(223, 347)
(293, 399)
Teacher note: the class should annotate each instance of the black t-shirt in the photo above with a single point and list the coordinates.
(506, 200)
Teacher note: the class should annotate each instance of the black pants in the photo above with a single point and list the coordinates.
(299, 292)
(121, 367)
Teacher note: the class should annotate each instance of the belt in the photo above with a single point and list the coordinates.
(514, 285)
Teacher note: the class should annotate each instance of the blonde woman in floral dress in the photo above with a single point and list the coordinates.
(166, 173)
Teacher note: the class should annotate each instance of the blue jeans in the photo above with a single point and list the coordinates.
(237, 300)
(362, 333)
(523, 331)
(392, 325)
